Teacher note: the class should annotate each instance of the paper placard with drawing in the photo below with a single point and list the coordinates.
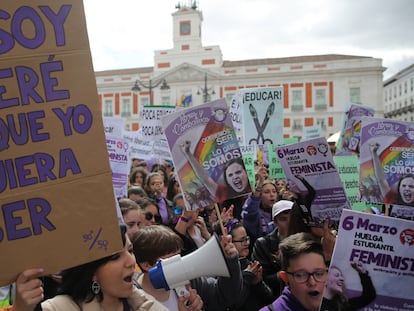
(387, 161)
(372, 267)
(262, 115)
(314, 180)
(206, 152)
(351, 131)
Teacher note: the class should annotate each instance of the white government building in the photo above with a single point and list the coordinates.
(399, 95)
(316, 88)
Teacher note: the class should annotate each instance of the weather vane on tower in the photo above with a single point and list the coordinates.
(188, 3)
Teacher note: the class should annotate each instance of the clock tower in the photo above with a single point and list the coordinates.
(188, 47)
(187, 26)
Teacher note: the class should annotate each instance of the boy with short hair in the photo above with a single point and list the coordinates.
(304, 273)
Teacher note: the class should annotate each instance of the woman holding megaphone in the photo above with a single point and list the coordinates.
(153, 243)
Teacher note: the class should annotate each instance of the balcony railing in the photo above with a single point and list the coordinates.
(297, 107)
(320, 107)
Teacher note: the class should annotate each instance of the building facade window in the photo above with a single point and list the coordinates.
(229, 97)
(321, 122)
(126, 107)
(297, 100)
(108, 108)
(320, 99)
(355, 94)
(143, 101)
(297, 124)
(165, 100)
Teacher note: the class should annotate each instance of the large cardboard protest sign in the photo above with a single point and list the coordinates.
(313, 178)
(56, 197)
(387, 155)
(374, 257)
(203, 144)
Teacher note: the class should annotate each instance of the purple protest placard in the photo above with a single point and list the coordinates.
(206, 152)
(387, 164)
(372, 267)
(314, 180)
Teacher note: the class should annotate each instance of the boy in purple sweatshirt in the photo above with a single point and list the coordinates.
(304, 273)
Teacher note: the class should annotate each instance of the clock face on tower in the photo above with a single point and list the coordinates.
(185, 28)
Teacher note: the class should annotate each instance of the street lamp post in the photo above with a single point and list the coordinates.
(150, 86)
(206, 94)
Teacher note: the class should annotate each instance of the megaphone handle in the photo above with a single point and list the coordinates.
(181, 290)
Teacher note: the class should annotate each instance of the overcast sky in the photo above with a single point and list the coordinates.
(125, 33)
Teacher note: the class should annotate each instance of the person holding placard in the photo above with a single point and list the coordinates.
(103, 284)
(257, 210)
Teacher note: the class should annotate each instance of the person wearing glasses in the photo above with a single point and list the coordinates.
(335, 298)
(255, 293)
(149, 212)
(304, 273)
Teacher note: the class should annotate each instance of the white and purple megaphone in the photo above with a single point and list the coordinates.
(176, 271)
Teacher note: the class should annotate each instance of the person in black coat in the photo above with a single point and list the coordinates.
(266, 248)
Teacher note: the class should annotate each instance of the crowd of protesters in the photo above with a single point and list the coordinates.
(160, 221)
